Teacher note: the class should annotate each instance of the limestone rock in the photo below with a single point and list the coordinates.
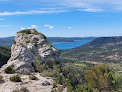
(27, 47)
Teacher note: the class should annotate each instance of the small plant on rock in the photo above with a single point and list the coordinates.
(1, 78)
(23, 89)
(14, 42)
(9, 70)
(32, 77)
(27, 41)
(15, 78)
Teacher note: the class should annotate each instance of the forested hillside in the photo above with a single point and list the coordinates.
(4, 55)
(104, 49)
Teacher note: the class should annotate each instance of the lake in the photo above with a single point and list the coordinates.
(69, 45)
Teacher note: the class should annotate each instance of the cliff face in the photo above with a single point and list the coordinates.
(29, 47)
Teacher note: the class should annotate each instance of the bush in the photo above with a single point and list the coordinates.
(23, 89)
(27, 41)
(60, 88)
(14, 42)
(26, 31)
(83, 88)
(59, 79)
(54, 84)
(9, 70)
(32, 77)
(15, 78)
(1, 78)
(47, 73)
(35, 32)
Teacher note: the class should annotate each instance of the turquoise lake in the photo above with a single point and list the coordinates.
(69, 45)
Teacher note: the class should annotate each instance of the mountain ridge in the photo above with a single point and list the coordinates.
(103, 49)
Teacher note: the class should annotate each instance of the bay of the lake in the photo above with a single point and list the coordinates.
(70, 45)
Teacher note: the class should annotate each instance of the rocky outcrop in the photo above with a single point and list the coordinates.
(27, 48)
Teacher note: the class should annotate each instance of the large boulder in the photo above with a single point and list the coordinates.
(29, 47)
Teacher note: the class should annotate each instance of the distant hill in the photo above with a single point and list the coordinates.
(4, 55)
(103, 49)
(7, 42)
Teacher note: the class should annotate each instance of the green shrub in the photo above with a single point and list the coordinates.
(32, 77)
(1, 78)
(15, 78)
(9, 70)
(23, 89)
(26, 31)
(35, 32)
(47, 73)
(54, 90)
(60, 88)
(27, 41)
(54, 84)
(83, 88)
(59, 50)
(59, 79)
(14, 42)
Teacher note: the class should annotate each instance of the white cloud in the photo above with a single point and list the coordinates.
(47, 25)
(51, 27)
(32, 12)
(91, 10)
(69, 27)
(33, 27)
(22, 28)
(86, 5)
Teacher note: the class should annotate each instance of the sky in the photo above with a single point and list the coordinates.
(62, 18)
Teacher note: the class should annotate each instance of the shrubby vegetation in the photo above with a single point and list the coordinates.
(32, 77)
(14, 42)
(9, 70)
(23, 89)
(15, 78)
(26, 31)
(100, 77)
(1, 78)
(81, 76)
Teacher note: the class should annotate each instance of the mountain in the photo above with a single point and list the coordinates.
(4, 55)
(103, 49)
(7, 42)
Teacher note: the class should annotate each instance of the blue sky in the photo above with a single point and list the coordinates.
(62, 18)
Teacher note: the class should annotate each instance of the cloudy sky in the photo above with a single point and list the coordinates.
(62, 18)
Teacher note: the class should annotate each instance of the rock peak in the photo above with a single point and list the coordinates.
(29, 47)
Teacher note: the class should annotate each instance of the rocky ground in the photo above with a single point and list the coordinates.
(43, 84)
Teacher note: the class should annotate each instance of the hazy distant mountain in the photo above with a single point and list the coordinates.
(7, 42)
(103, 49)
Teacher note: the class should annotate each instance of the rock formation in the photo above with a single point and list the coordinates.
(28, 47)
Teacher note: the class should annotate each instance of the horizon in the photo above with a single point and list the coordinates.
(67, 18)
